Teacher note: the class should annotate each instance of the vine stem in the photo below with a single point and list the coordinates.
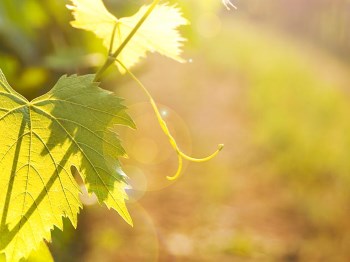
(181, 155)
(112, 57)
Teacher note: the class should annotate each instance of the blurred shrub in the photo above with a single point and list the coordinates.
(300, 111)
(325, 22)
(37, 44)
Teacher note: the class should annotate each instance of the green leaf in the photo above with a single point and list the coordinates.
(41, 254)
(158, 32)
(71, 125)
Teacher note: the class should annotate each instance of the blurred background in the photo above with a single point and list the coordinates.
(269, 80)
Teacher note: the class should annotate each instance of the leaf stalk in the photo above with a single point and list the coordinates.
(114, 55)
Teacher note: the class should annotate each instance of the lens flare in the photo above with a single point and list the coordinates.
(148, 148)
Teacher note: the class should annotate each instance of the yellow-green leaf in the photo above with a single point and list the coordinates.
(41, 254)
(41, 140)
(157, 34)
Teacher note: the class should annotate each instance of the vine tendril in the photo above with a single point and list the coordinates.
(181, 155)
(113, 56)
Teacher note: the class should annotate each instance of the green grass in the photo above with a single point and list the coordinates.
(300, 116)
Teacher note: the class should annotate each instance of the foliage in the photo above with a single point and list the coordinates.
(157, 34)
(70, 129)
(69, 126)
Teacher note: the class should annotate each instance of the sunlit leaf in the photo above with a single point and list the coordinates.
(157, 34)
(41, 254)
(71, 125)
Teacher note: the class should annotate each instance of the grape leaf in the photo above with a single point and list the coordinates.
(157, 34)
(41, 254)
(71, 125)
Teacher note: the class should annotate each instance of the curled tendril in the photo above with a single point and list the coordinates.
(113, 57)
(181, 155)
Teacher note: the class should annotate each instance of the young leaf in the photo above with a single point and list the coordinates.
(158, 33)
(40, 141)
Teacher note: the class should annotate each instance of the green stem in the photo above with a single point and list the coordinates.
(112, 40)
(111, 58)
